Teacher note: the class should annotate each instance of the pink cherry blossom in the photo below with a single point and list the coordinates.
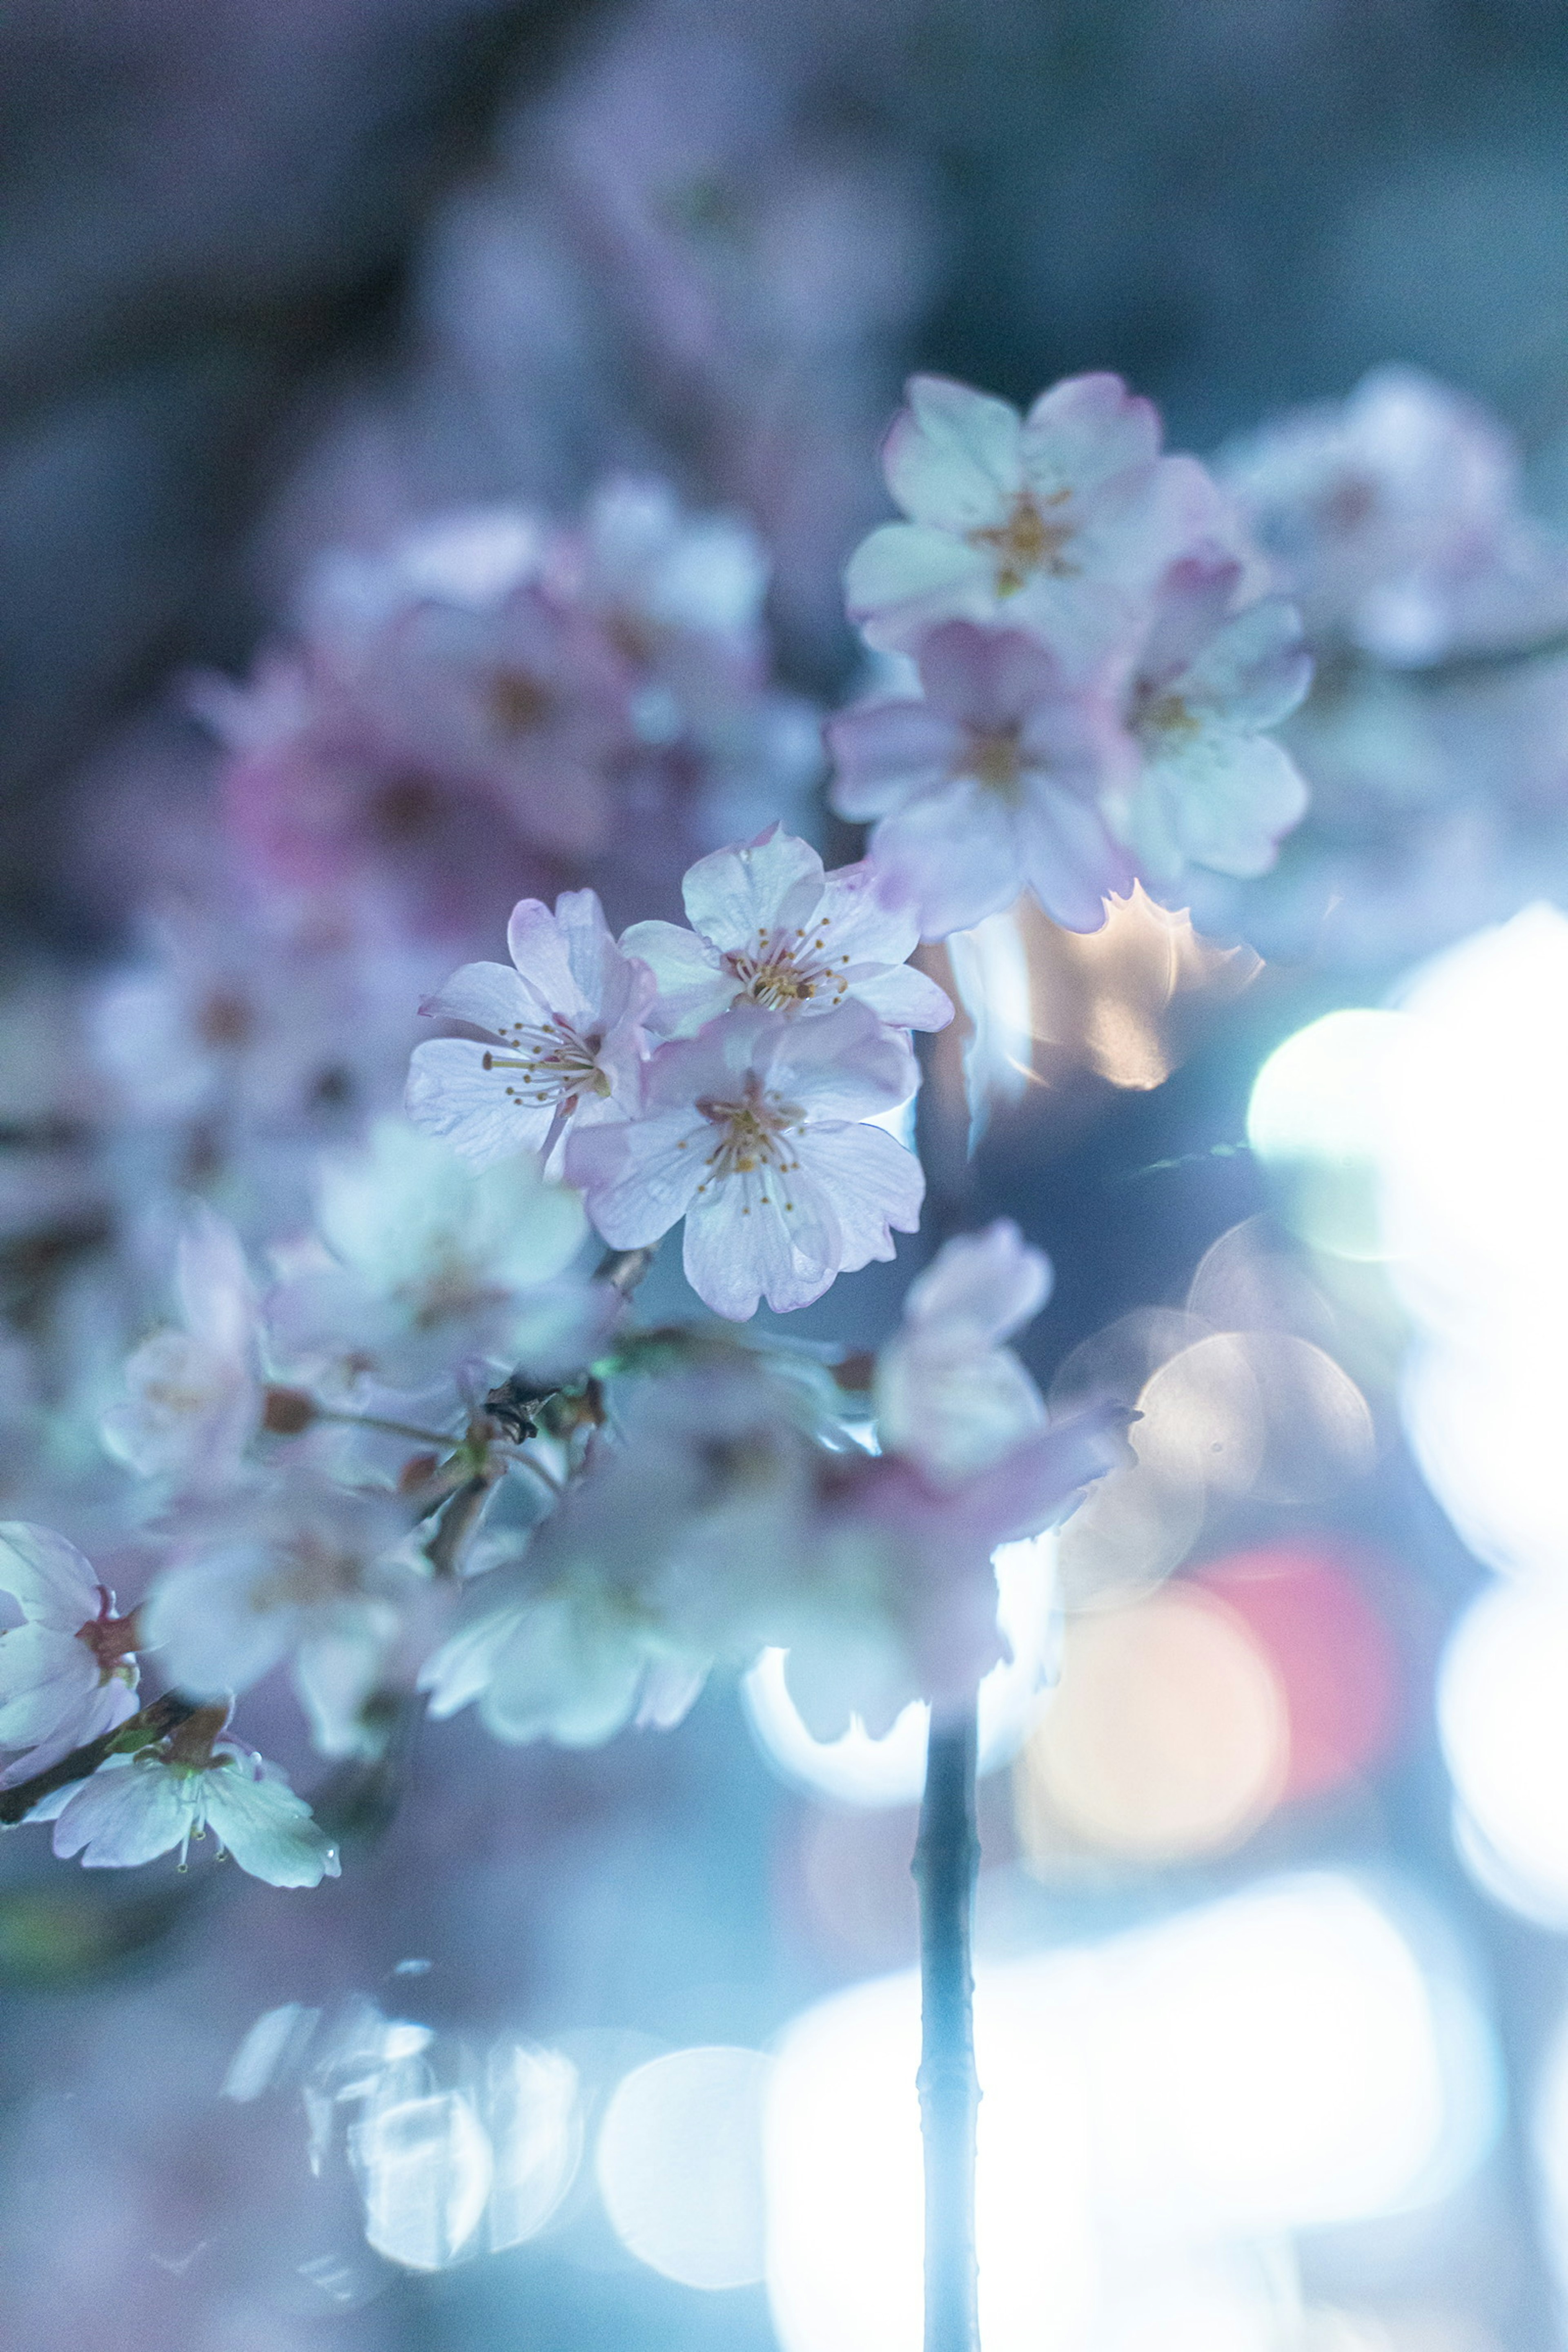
(949, 1396)
(994, 783)
(194, 1395)
(753, 1130)
(69, 1671)
(564, 1031)
(1057, 522)
(769, 927)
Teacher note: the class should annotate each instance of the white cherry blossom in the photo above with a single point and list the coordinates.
(68, 1673)
(134, 1810)
(564, 1031)
(948, 1395)
(1057, 522)
(297, 1567)
(769, 927)
(754, 1132)
(193, 1396)
(426, 1261)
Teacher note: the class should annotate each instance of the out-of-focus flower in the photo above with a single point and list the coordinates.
(565, 1030)
(293, 1566)
(165, 1796)
(655, 1567)
(68, 1673)
(754, 1132)
(195, 1395)
(428, 1262)
(771, 927)
(948, 1395)
(993, 782)
(1211, 787)
(1058, 521)
(1386, 515)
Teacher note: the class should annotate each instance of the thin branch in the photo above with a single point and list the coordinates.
(157, 1719)
(458, 1521)
(947, 1861)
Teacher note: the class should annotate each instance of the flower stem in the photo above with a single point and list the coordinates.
(458, 1520)
(946, 1860)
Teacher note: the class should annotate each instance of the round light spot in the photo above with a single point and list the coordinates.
(680, 2165)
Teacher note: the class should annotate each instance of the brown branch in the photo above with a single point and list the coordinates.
(458, 1521)
(157, 1719)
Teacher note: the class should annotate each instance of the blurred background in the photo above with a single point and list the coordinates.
(616, 2049)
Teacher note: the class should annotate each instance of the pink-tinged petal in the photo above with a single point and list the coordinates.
(451, 1094)
(992, 1283)
(105, 1706)
(716, 1062)
(956, 853)
(1222, 800)
(1254, 671)
(843, 1064)
(907, 574)
(989, 679)
(1190, 603)
(539, 948)
(862, 918)
(591, 953)
(127, 1815)
(952, 458)
(1140, 522)
(693, 985)
(1068, 859)
(638, 1176)
(270, 1831)
(875, 1186)
(951, 1406)
(1038, 1483)
(768, 884)
(1083, 430)
(54, 1584)
(903, 997)
(889, 752)
(488, 995)
(739, 1247)
(217, 1299)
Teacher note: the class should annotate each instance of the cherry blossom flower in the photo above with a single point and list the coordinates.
(995, 782)
(167, 1795)
(771, 927)
(1212, 788)
(1057, 522)
(754, 1132)
(425, 1261)
(66, 1675)
(195, 1395)
(564, 1025)
(296, 1566)
(949, 1395)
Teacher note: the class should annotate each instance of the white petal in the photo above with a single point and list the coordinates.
(638, 1176)
(875, 1186)
(766, 884)
(46, 1677)
(693, 985)
(540, 950)
(1225, 799)
(761, 1236)
(907, 575)
(488, 996)
(216, 1297)
(1084, 429)
(212, 1625)
(956, 853)
(992, 1283)
(54, 1584)
(845, 1064)
(119, 1819)
(451, 1094)
(904, 998)
(270, 1831)
(953, 456)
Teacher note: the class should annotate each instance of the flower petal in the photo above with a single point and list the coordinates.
(451, 1093)
(693, 985)
(953, 456)
(127, 1815)
(270, 1831)
(638, 1176)
(488, 995)
(955, 852)
(49, 1577)
(889, 752)
(876, 1187)
(766, 884)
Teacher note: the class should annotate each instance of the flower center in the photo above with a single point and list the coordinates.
(994, 759)
(749, 1141)
(553, 1063)
(519, 701)
(787, 970)
(1026, 542)
(1169, 716)
(307, 1571)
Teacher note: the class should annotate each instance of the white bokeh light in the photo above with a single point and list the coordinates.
(1279, 2061)
(859, 1771)
(680, 2165)
(1504, 1728)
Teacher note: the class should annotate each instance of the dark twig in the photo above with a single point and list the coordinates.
(155, 1721)
(947, 1861)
